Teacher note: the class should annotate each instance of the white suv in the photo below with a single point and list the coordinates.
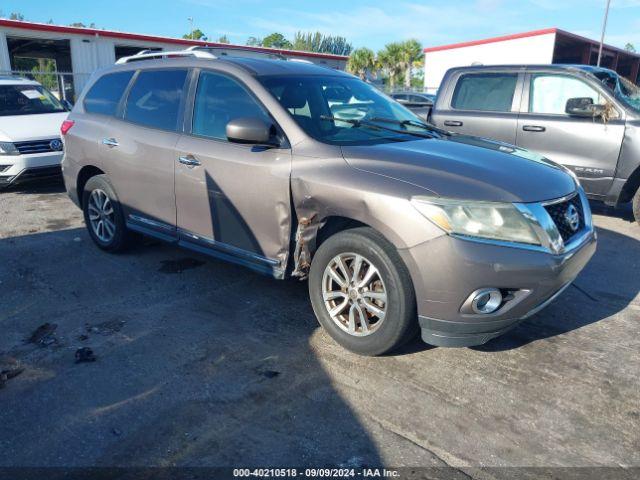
(30, 119)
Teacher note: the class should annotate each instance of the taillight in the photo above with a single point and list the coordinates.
(66, 126)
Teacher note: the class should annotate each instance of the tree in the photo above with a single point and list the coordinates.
(390, 58)
(361, 61)
(411, 53)
(320, 43)
(82, 25)
(16, 16)
(630, 48)
(276, 40)
(196, 34)
(254, 42)
(224, 39)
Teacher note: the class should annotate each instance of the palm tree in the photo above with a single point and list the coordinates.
(361, 61)
(390, 58)
(411, 54)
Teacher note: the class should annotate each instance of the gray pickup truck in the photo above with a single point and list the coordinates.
(586, 118)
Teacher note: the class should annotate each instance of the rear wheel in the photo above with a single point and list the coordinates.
(636, 206)
(362, 293)
(103, 215)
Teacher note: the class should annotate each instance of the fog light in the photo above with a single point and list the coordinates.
(487, 300)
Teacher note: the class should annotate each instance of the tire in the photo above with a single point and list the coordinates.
(382, 334)
(636, 206)
(115, 237)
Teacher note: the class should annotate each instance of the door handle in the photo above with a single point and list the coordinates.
(110, 142)
(453, 123)
(189, 161)
(533, 128)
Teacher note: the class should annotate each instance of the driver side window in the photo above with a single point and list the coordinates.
(220, 99)
(549, 93)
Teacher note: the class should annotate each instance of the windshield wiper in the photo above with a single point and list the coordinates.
(370, 124)
(413, 123)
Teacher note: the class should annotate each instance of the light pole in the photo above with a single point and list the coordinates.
(604, 28)
(190, 19)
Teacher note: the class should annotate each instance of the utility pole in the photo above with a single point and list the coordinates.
(190, 19)
(604, 28)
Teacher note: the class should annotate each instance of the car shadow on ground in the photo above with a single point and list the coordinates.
(623, 212)
(42, 186)
(199, 363)
(607, 285)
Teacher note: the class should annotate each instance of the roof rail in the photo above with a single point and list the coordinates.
(203, 48)
(146, 55)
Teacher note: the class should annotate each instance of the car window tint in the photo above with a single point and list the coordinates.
(549, 93)
(220, 99)
(105, 94)
(154, 100)
(492, 92)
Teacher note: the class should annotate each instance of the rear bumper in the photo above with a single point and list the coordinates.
(446, 270)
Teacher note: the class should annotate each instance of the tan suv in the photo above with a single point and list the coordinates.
(293, 169)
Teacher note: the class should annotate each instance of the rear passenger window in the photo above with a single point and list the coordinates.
(490, 92)
(220, 99)
(105, 94)
(154, 100)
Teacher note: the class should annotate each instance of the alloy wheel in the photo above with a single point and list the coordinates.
(101, 216)
(354, 294)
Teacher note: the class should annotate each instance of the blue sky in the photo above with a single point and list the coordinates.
(365, 23)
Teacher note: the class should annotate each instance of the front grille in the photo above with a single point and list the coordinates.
(38, 146)
(560, 214)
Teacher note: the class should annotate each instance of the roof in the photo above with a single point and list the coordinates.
(532, 33)
(545, 66)
(267, 66)
(45, 27)
(14, 80)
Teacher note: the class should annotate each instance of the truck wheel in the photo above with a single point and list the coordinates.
(636, 206)
(362, 293)
(103, 215)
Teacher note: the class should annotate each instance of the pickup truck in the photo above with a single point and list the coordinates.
(585, 118)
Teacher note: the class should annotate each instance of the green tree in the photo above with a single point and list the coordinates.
(411, 53)
(361, 61)
(223, 39)
(16, 16)
(254, 42)
(320, 43)
(82, 25)
(630, 48)
(391, 61)
(276, 40)
(196, 34)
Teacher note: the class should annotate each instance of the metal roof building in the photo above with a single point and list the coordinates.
(548, 46)
(78, 52)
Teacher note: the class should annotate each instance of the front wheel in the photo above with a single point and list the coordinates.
(636, 206)
(362, 293)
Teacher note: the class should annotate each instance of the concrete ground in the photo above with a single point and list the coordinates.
(202, 363)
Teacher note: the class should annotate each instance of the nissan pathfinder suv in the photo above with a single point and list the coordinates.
(293, 169)
(585, 118)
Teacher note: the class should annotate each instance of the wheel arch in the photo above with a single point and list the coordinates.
(630, 187)
(84, 175)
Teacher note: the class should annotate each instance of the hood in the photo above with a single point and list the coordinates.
(18, 128)
(467, 168)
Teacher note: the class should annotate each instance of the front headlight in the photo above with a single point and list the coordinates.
(492, 220)
(8, 148)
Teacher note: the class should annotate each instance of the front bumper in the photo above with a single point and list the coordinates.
(446, 270)
(20, 168)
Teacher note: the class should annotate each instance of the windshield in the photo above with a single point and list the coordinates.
(27, 100)
(343, 111)
(622, 88)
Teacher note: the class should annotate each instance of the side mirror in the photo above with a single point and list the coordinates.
(249, 130)
(583, 107)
